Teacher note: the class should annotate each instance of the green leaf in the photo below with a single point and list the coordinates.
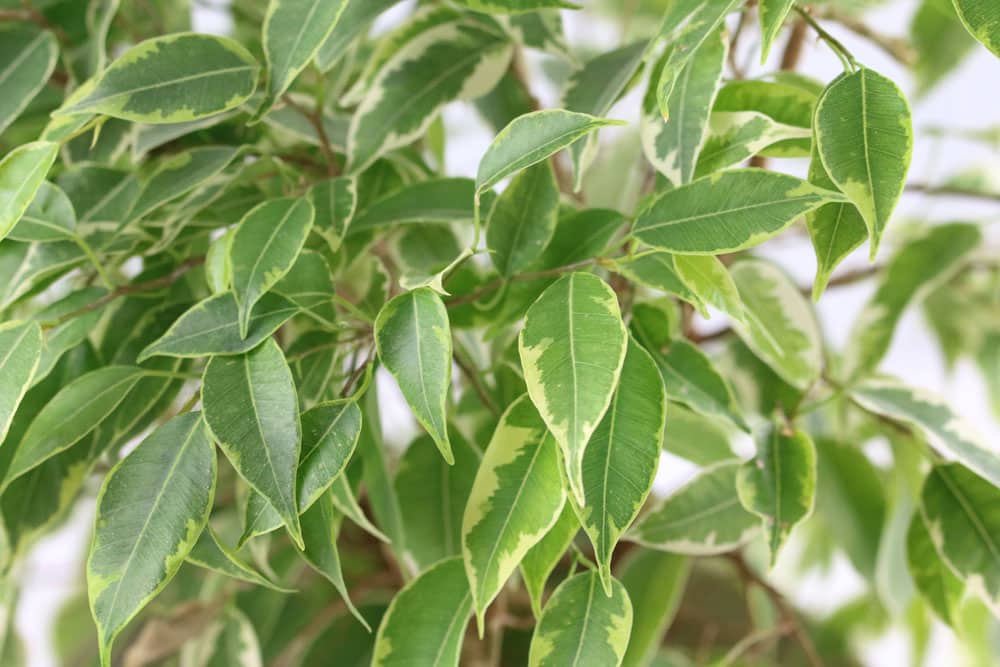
(709, 280)
(962, 513)
(620, 460)
(865, 139)
(945, 430)
(151, 509)
(702, 518)
(939, 40)
(75, 411)
(691, 378)
(523, 219)
(353, 21)
(425, 623)
(343, 499)
(788, 101)
(440, 200)
(672, 146)
(735, 136)
(582, 626)
(293, 32)
(772, 17)
(779, 324)
(914, 271)
(210, 553)
(700, 439)
(21, 345)
(982, 19)
(515, 6)
(593, 89)
(462, 59)
(252, 411)
(727, 212)
(172, 79)
(655, 584)
(334, 201)
(541, 559)
(29, 56)
(572, 348)
(426, 480)
(180, 174)
(330, 433)
(22, 172)
(211, 327)
(779, 484)
(413, 338)
(516, 498)
(264, 248)
(658, 271)
(50, 217)
(931, 575)
(309, 285)
(531, 138)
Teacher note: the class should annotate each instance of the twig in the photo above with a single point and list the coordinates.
(793, 47)
(356, 373)
(952, 191)
(315, 118)
(493, 285)
(896, 47)
(473, 377)
(846, 57)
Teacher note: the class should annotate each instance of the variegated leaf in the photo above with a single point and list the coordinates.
(735, 136)
(982, 19)
(22, 172)
(523, 219)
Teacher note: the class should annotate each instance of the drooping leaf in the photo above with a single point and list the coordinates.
(264, 248)
(180, 174)
(173, 79)
(583, 626)
(779, 324)
(772, 16)
(523, 219)
(531, 138)
(309, 285)
(944, 429)
(932, 576)
(779, 484)
(413, 338)
(620, 460)
(20, 351)
(29, 56)
(735, 136)
(251, 409)
(657, 270)
(915, 270)
(690, 377)
(516, 498)
(672, 146)
(982, 18)
(962, 513)
(865, 140)
(330, 433)
(425, 623)
(726, 212)
(655, 584)
(151, 510)
(22, 172)
(541, 559)
(703, 517)
(75, 411)
(346, 503)
(462, 59)
(293, 32)
(572, 348)
(49, 217)
(709, 280)
(210, 553)
(940, 42)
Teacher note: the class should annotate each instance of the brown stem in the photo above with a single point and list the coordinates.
(494, 285)
(315, 118)
(898, 48)
(793, 47)
(473, 377)
(952, 191)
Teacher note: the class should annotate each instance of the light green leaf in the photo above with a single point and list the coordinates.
(63, 337)
(735, 136)
(655, 584)
(656, 270)
(709, 280)
(945, 430)
(541, 559)
(293, 32)
(865, 139)
(20, 350)
(931, 575)
(462, 59)
(218, 267)
(353, 21)
(779, 484)
(779, 325)
(75, 411)
(672, 146)
(772, 17)
(172, 79)
(790, 101)
(728, 211)
(531, 138)
(211, 327)
(330, 433)
(582, 626)
(251, 409)
(523, 219)
(540, 30)
(620, 460)
(593, 89)
(264, 248)
(962, 513)
(515, 6)
(426, 480)
(22, 172)
(440, 200)
(29, 56)
(50, 217)
(343, 499)
(320, 526)
(516, 498)
(413, 338)
(704, 517)
(169, 476)
(425, 623)
(696, 437)
(180, 174)
(572, 348)
(920, 266)
(210, 553)
(309, 285)
(982, 18)
(334, 201)
(691, 378)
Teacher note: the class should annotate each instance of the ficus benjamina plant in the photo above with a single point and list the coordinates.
(332, 383)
